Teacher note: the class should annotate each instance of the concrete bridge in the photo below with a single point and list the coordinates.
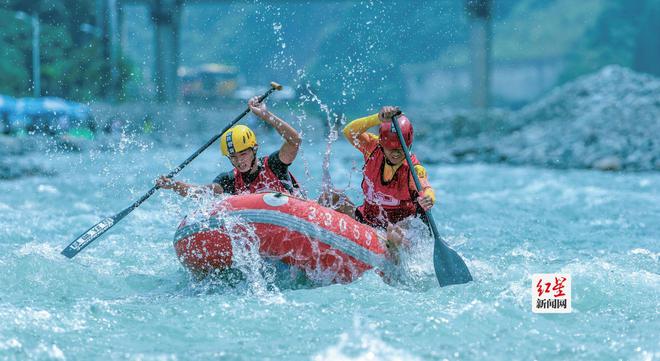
(166, 19)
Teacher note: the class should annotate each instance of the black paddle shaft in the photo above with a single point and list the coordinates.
(450, 269)
(98, 229)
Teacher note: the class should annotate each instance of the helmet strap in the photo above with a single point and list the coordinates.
(255, 164)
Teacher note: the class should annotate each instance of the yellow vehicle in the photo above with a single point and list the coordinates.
(208, 82)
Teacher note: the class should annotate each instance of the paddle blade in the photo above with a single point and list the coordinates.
(450, 269)
(86, 238)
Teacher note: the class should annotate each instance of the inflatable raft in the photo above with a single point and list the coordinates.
(294, 232)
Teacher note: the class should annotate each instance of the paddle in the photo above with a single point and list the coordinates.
(450, 269)
(98, 229)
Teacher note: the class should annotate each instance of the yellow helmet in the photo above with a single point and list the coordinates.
(237, 139)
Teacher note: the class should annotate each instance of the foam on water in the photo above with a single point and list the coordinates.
(361, 344)
(127, 296)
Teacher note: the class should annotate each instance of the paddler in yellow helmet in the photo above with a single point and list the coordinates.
(250, 174)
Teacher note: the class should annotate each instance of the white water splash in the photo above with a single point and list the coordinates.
(646, 252)
(363, 345)
(45, 250)
(12, 343)
(47, 188)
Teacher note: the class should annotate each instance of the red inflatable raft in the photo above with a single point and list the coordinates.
(295, 232)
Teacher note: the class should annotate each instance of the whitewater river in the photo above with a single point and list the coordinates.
(128, 297)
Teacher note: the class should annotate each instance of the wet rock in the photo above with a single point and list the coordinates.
(11, 145)
(13, 160)
(17, 167)
(608, 163)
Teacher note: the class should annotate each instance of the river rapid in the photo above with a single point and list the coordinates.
(127, 296)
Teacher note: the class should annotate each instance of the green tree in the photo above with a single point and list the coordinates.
(14, 75)
(72, 64)
(625, 33)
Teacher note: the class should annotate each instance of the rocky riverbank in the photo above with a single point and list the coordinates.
(609, 120)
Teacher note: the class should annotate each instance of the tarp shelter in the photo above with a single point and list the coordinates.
(49, 115)
(7, 107)
(7, 104)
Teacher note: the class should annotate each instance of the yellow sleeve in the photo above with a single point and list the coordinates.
(356, 132)
(424, 180)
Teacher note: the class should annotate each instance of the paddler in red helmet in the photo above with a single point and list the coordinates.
(390, 194)
(251, 174)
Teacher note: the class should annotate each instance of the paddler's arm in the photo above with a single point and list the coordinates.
(292, 139)
(184, 189)
(426, 197)
(356, 133)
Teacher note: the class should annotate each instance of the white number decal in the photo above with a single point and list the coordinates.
(328, 219)
(342, 224)
(312, 213)
(356, 232)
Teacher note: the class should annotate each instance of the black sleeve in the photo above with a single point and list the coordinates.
(280, 169)
(226, 181)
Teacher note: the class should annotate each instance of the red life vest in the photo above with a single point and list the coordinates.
(266, 181)
(386, 202)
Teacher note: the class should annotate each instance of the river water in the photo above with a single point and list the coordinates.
(128, 297)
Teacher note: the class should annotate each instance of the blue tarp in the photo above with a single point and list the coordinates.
(46, 105)
(7, 104)
(7, 107)
(45, 114)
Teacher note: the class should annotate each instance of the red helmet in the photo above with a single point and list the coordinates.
(388, 137)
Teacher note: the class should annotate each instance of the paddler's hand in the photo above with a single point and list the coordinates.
(395, 237)
(165, 182)
(426, 201)
(387, 112)
(259, 109)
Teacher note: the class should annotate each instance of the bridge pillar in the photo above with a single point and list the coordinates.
(479, 12)
(166, 16)
(108, 28)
